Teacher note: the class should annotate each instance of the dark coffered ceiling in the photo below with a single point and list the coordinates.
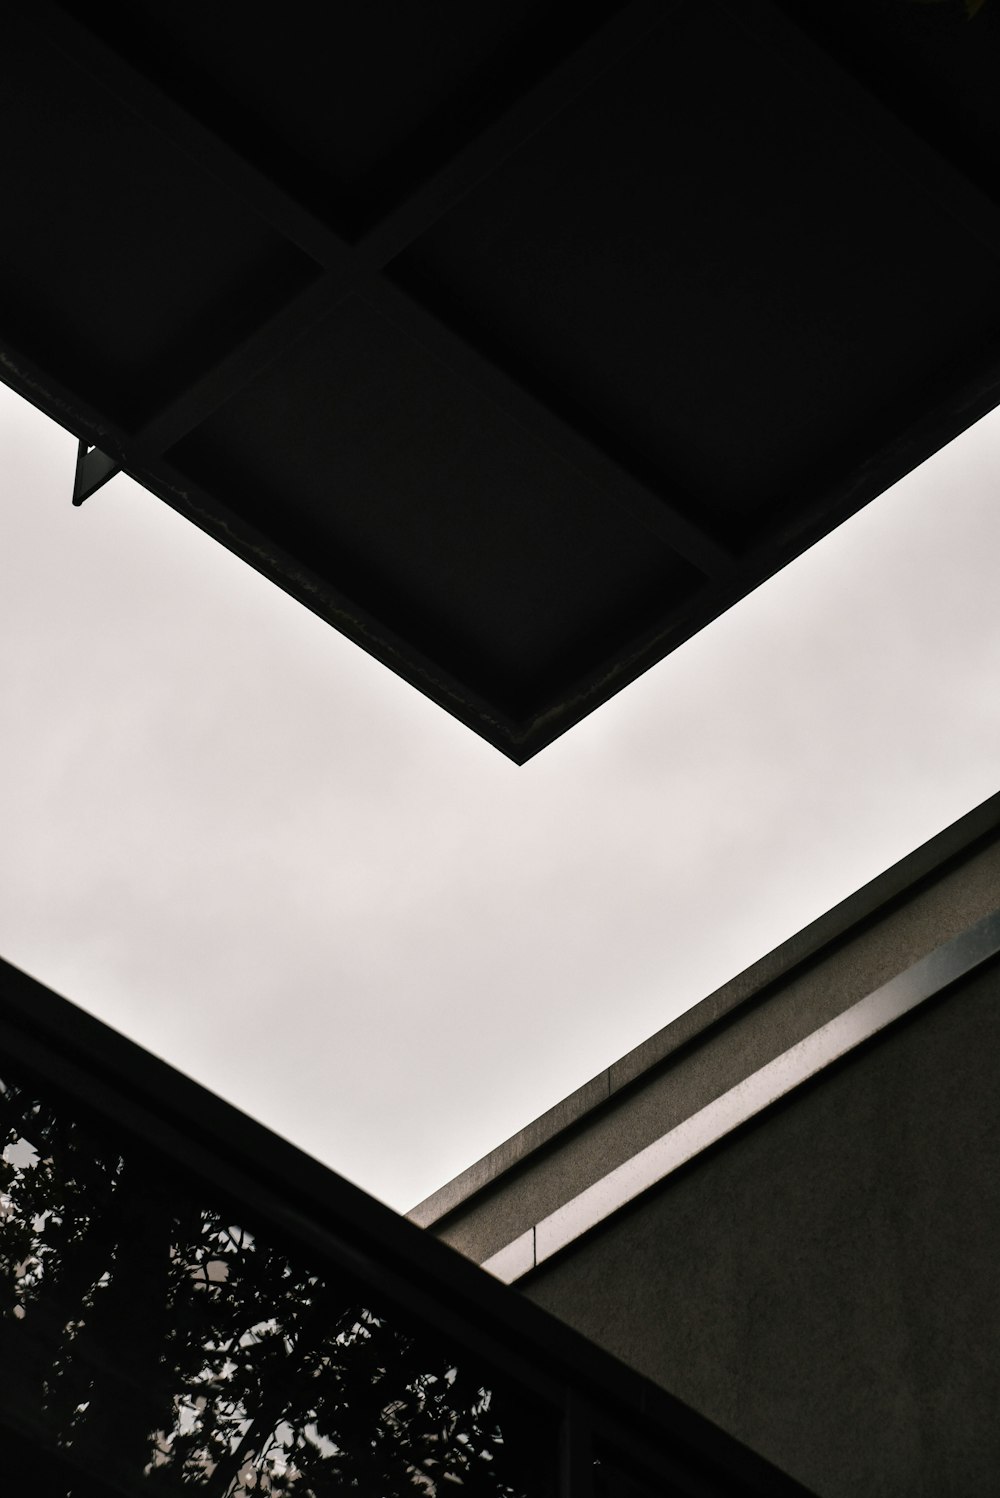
(517, 340)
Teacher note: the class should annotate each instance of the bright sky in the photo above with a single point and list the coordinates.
(230, 834)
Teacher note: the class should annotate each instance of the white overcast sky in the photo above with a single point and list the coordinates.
(233, 836)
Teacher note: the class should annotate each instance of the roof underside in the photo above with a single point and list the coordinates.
(516, 339)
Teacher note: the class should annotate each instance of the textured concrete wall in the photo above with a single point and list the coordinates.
(826, 1284)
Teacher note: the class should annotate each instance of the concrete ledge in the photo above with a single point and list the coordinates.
(927, 898)
(522, 1144)
(818, 1050)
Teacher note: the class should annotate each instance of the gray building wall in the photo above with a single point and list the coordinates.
(825, 1285)
(825, 1282)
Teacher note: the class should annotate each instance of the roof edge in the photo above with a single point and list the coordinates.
(858, 908)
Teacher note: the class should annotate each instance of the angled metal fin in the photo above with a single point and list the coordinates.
(93, 468)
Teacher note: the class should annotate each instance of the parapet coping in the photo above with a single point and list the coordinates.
(857, 909)
(921, 981)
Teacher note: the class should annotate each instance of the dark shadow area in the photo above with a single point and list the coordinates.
(151, 1336)
(191, 1304)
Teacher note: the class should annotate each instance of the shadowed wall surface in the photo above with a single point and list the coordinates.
(824, 1284)
(821, 1281)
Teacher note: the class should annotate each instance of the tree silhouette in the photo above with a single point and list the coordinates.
(151, 1339)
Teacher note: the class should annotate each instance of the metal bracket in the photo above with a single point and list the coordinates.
(93, 468)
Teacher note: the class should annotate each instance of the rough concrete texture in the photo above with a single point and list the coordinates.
(826, 1283)
(942, 888)
(509, 1154)
(733, 1033)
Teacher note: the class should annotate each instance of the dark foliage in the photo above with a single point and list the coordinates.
(151, 1340)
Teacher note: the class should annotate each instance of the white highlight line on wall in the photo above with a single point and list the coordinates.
(949, 962)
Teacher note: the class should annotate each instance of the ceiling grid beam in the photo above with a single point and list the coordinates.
(349, 270)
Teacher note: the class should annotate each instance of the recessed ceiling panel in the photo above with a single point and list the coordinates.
(124, 266)
(363, 455)
(364, 97)
(935, 64)
(704, 258)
